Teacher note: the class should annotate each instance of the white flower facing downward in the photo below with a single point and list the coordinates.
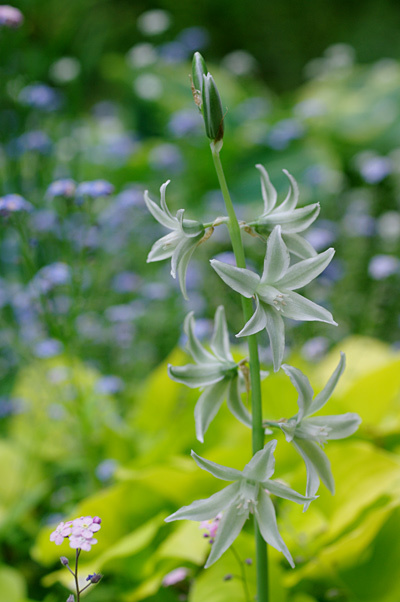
(286, 214)
(180, 243)
(274, 291)
(215, 371)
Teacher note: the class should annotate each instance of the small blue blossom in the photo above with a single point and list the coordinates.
(48, 348)
(106, 469)
(283, 132)
(167, 157)
(125, 282)
(185, 123)
(110, 384)
(173, 52)
(34, 141)
(13, 203)
(95, 189)
(65, 187)
(374, 169)
(383, 266)
(194, 38)
(40, 96)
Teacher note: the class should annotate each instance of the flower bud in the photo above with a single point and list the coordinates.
(212, 109)
(97, 520)
(95, 578)
(64, 560)
(199, 69)
(71, 598)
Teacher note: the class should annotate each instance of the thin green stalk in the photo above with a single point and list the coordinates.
(242, 573)
(256, 400)
(78, 597)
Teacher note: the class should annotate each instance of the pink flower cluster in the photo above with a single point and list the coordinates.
(79, 531)
(210, 527)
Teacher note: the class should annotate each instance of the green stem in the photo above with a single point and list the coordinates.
(242, 574)
(78, 597)
(256, 400)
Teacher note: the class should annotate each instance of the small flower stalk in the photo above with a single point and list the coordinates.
(268, 298)
(80, 535)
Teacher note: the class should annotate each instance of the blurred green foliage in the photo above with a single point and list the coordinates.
(76, 443)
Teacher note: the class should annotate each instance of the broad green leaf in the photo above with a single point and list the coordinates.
(13, 585)
(186, 542)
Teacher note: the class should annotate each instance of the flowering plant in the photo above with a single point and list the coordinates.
(220, 377)
(80, 534)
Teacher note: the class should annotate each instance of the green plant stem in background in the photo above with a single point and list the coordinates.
(76, 576)
(256, 400)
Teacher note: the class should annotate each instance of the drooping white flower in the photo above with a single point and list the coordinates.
(180, 243)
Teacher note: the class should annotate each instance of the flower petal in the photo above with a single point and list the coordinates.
(220, 339)
(195, 348)
(277, 258)
(197, 375)
(303, 387)
(163, 248)
(217, 470)
(262, 464)
(257, 322)
(268, 191)
(323, 396)
(240, 280)
(299, 246)
(208, 508)
(208, 405)
(281, 490)
(298, 307)
(293, 195)
(235, 404)
(183, 261)
(228, 529)
(305, 271)
(276, 333)
(297, 220)
(316, 462)
(163, 202)
(165, 219)
(339, 426)
(266, 519)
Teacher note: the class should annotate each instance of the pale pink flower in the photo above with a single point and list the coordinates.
(175, 576)
(78, 541)
(62, 530)
(85, 526)
(210, 527)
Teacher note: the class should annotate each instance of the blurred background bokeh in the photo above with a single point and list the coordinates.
(96, 107)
